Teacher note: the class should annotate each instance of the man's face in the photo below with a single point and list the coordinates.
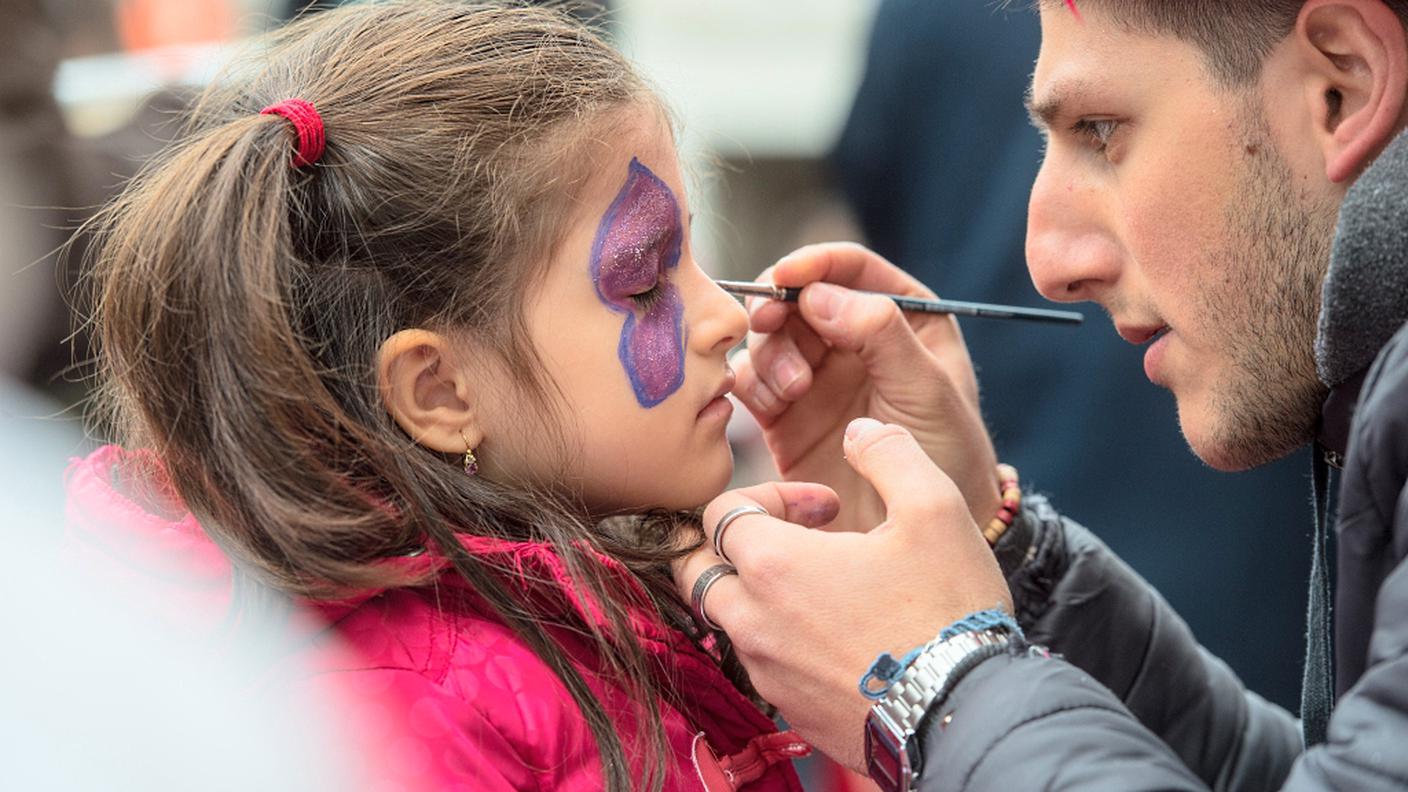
(1193, 214)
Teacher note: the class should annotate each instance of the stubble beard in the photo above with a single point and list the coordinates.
(1266, 308)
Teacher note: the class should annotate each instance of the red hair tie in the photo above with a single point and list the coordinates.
(307, 123)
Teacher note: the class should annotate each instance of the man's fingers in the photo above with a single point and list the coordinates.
(848, 264)
(811, 345)
(792, 508)
(870, 325)
(844, 263)
(757, 396)
(913, 488)
(768, 316)
(764, 315)
(778, 362)
(723, 598)
(786, 360)
(789, 504)
(811, 505)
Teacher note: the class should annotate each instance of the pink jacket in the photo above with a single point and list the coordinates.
(440, 699)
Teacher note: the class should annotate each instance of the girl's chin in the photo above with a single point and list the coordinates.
(717, 482)
(707, 479)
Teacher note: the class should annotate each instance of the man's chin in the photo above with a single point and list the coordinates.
(1222, 458)
(1232, 449)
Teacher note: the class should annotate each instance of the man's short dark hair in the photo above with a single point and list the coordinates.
(1235, 36)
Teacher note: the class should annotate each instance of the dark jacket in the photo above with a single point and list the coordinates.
(1136, 703)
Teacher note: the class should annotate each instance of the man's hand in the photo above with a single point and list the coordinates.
(810, 610)
(810, 368)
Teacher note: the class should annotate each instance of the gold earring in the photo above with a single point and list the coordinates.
(471, 464)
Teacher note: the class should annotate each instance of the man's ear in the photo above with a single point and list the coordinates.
(1358, 74)
(426, 386)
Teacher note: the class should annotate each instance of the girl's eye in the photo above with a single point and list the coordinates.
(647, 298)
(1096, 132)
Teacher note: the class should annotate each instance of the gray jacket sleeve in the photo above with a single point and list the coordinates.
(1019, 721)
(1074, 596)
(1367, 743)
(1136, 704)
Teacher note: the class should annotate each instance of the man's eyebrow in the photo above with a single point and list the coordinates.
(1040, 115)
(1044, 113)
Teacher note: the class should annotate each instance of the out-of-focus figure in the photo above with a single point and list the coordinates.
(34, 185)
(94, 694)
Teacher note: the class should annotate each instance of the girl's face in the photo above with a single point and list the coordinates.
(635, 336)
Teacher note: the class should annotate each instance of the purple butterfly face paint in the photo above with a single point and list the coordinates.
(637, 245)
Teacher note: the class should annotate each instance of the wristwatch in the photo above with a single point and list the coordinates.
(893, 754)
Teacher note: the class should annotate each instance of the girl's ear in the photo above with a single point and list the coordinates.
(1357, 77)
(427, 387)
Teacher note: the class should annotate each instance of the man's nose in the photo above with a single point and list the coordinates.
(1072, 252)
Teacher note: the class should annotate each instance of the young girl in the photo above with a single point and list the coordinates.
(407, 327)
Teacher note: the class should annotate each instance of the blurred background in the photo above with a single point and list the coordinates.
(894, 122)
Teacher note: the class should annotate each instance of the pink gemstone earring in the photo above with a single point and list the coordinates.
(471, 464)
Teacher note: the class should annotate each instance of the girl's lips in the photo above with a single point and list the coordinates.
(722, 392)
(720, 408)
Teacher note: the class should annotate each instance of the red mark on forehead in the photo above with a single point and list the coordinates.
(1071, 4)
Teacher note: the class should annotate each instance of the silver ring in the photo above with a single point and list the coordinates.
(701, 590)
(733, 514)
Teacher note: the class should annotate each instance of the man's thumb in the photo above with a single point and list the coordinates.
(911, 485)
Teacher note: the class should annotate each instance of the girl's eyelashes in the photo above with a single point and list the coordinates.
(646, 300)
(1095, 132)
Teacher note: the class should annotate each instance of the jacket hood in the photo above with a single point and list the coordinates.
(1365, 295)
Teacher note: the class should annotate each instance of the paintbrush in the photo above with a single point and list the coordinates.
(984, 310)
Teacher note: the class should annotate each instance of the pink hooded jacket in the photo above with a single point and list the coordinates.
(434, 698)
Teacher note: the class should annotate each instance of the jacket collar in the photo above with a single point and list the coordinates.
(1336, 417)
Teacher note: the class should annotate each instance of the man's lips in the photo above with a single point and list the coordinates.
(1139, 334)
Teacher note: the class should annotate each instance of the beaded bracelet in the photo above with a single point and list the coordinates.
(1007, 485)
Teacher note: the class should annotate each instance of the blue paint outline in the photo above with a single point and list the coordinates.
(634, 172)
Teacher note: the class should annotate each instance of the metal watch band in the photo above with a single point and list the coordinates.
(894, 721)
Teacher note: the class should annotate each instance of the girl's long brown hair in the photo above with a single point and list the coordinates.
(239, 304)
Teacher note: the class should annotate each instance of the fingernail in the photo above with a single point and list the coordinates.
(786, 371)
(824, 300)
(861, 427)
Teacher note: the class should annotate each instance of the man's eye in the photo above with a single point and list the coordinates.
(1095, 132)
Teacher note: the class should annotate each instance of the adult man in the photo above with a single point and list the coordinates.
(1197, 156)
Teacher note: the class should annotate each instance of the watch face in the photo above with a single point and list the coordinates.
(882, 761)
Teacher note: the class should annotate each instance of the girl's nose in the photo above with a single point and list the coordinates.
(722, 321)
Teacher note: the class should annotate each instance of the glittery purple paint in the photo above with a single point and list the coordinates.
(637, 244)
